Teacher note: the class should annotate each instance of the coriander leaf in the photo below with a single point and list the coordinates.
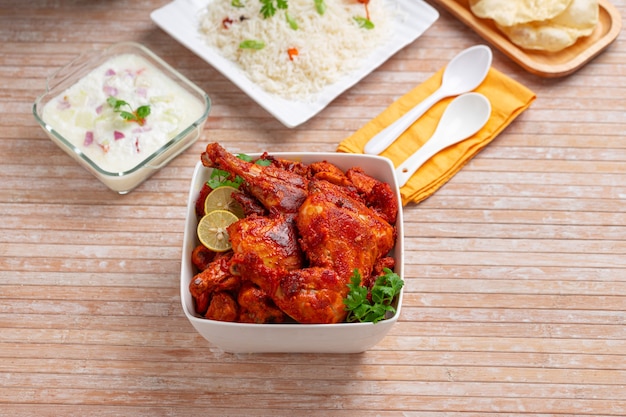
(221, 178)
(383, 293)
(267, 8)
(244, 157)
(138, 116)
(115, 103)
(248, 158)
(127, 116)
(143, 111)
(364, 22)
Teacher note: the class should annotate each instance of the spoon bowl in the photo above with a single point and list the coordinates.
(463, 117)
(464, 73)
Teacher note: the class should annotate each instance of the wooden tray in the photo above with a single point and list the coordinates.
(544, 64)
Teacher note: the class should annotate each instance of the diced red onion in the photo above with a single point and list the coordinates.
(117, 135)
(110, 72)
(88, 138)
(109, 90)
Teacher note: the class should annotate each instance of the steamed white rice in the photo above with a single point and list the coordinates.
(329, 46)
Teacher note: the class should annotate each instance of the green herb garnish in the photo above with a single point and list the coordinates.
(252, 44)
(237, 3)
(291, 21)
(244, 157)
(221, 178)
(248, 158)
(385, 289)
(270, 6)
(138, 116)
(320, 6)
(364, 22)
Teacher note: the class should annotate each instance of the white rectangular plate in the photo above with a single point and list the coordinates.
(180, 20)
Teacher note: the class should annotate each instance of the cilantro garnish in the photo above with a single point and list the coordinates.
(270, 6)
(248, 158)
(364, 22)
(245, 157)
(221, 178)
(138, 116)
(385, 289)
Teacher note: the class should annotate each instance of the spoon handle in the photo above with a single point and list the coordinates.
(463, 117)
(406, 169)
(388, 135)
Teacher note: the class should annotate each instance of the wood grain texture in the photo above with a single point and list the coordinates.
(515, 299)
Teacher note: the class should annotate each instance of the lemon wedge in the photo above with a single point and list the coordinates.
(221, 199)
(212, 231)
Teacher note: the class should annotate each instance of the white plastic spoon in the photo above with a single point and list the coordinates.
(463, 117)
(463, 73)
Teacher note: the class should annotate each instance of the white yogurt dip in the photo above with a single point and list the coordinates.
(82, 115)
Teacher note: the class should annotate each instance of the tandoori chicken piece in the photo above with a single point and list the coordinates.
(377, 195)
(201, 257)
(309, 295)
(324, 170)
(215, 278)
(255, 306)
(341, 232)
(338, 235)
(278, 189)
(223, 307)
(250, 204)
(274, 239)
(337, 222)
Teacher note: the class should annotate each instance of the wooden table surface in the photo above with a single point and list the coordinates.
(515, 270)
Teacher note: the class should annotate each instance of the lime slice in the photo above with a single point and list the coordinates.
(221, 199)
(212, 231)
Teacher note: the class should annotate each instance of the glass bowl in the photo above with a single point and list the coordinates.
(75, 112)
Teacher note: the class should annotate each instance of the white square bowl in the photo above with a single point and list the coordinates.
(291, 337)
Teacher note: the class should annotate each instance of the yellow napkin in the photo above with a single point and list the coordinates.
(508, 99)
